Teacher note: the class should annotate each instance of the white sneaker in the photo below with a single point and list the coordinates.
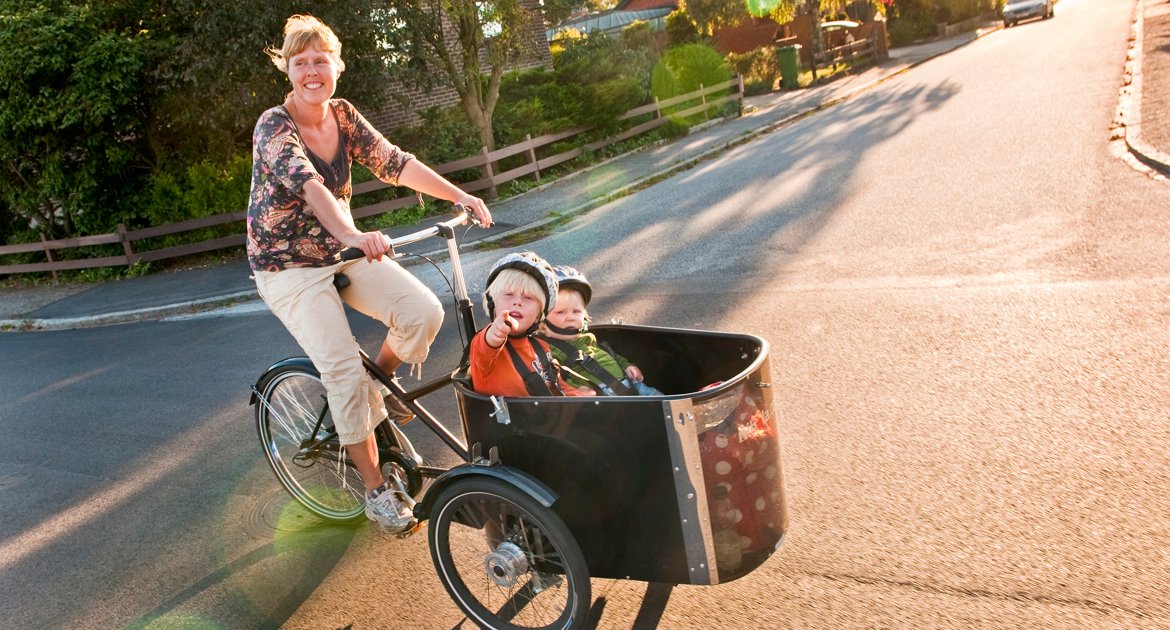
(384, 508)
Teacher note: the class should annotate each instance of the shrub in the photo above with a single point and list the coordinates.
(684, 69)
(911, 20)
(639, 35)
(177, 193)
(759, 68)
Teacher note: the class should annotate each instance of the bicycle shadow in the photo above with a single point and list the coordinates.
(649, 614)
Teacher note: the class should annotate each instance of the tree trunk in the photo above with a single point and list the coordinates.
(481, 119)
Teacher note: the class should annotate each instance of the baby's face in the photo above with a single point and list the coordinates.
(569, 312)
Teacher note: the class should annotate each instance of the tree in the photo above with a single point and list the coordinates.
(101, 96)
(214, 57)
(488, 36)
(711, 15)
(71, 125)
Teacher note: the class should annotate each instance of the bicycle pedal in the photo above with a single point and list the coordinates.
(409, 531)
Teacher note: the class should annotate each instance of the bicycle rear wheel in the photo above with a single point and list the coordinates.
(297, 435)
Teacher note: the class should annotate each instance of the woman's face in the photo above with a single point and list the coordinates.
(313, 73)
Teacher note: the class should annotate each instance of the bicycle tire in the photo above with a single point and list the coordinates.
(318, 473)
(508, 562)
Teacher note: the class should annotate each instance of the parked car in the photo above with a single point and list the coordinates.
(1016, 10)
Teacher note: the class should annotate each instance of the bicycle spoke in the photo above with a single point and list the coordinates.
(317, 473)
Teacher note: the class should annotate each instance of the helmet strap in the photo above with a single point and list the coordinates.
(563, 331)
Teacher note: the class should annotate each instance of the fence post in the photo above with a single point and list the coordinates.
(657, 109)
(739, 81)
(49, 255)
(532, 157)
(487, 171)
(703, 98)
(126, 246)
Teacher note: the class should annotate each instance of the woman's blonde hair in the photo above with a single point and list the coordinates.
(302, 32)
(516, 281)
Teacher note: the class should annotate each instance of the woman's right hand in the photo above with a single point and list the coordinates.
(374, 244)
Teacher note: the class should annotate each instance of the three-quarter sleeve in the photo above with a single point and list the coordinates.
(369, 147)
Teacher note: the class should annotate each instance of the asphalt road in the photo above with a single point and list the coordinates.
(967, 299)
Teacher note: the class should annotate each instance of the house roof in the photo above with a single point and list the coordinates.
(611, 22)
(641, 5)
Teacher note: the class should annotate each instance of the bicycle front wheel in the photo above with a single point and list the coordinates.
(507, 561)
(297, 434)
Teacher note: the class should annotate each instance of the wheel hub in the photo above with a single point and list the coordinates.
(506, 564)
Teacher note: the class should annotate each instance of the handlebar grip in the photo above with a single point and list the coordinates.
(353, 253)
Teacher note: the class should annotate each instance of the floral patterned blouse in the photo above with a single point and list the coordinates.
(282, 233)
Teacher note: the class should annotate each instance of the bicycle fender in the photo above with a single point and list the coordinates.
(515, 477)
(301, 362)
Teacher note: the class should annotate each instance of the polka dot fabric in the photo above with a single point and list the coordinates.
(740, 453)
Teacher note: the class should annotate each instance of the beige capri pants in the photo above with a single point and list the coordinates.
(307, 303)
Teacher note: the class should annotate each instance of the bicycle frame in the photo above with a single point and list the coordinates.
(466, 319)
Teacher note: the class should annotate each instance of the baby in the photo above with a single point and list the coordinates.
(591, 364)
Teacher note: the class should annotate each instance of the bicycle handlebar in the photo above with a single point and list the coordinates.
(354, 253)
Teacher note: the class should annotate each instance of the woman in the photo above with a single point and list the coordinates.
(299, 221)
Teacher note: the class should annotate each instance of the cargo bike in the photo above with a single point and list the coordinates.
(683, 488)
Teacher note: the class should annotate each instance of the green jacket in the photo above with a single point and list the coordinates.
(587, 344)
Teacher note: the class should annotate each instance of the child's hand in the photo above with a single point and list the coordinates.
(634, 374)
(583, 390)
(502, 326)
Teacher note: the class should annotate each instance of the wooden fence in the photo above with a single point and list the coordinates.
(853, 52)
(531, 148)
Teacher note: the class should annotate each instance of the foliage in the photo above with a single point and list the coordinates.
(708, 16)
(598, 79)
(952, 11)
(71, 128)
(214, 57)
(759, 68)
(679, 28)
(490, 35)
(639, 35)
(177, 193)
(98, 96)
(442, 135)
(685, 68)
(911, 20)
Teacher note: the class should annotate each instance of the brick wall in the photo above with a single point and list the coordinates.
(443, 94)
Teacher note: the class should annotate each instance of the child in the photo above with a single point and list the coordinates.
(591, 364)
(506, 359)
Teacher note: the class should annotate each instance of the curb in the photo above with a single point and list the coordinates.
(1129, 110)
(125, 317)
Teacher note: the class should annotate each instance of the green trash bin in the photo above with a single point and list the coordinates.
(788, 58)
